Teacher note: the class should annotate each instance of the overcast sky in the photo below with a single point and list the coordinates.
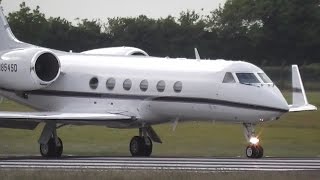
(101, 9)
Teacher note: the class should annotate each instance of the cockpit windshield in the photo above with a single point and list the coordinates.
(265, 78)
(247, 78)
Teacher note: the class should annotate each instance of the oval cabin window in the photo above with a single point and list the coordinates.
(177, 87)
(144, 85)
(127, 84)
(94, 82)
(111, 83)
(161, 86)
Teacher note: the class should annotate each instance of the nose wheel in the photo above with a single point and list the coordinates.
(254, 149)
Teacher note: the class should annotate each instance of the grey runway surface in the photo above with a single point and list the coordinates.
(162, 163)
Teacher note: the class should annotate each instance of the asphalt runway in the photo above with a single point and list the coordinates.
(161, 163)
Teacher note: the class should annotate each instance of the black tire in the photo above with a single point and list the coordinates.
(147, 147)
(250, 151)
(59, 149)
(260, 149)
(254, 151)
(137, 146)
(44, 150)
(51, 150)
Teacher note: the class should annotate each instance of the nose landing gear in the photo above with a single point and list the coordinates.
(254, 149)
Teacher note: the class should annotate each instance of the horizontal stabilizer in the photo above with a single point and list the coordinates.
(299, 98)
(307, 107)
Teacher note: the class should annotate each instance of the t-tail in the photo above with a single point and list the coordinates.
(7, 39)
(299, 98)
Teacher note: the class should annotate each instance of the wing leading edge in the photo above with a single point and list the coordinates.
(34, 118)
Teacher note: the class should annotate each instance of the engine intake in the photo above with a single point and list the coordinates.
(47, 67)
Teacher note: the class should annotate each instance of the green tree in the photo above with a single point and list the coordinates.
(276, 30)
(29, 25)
(263, 32)
(57, 36)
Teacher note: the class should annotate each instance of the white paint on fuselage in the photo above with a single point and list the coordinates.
(200, 79)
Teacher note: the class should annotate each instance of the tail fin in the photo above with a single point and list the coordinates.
(196, 52)
(299, 98)
(7, 39)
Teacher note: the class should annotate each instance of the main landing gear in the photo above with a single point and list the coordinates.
(51, 145)
(51, 149)
(254, 149)
(142, 145)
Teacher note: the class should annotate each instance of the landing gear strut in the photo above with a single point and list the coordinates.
(141, 145)
(254, 149)
(51, 145)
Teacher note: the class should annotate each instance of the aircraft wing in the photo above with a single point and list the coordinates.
(29, 120)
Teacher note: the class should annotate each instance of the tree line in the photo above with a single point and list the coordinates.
(273, 32)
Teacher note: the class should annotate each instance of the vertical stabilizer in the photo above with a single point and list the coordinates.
(299, 98)
(7, 39)
(196, 52)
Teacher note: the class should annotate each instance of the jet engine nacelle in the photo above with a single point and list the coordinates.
(28, 69)
(118, 51)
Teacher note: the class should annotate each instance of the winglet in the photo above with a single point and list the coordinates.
(197, 54)
(299, 98)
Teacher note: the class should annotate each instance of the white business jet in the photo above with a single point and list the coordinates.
(115, 88)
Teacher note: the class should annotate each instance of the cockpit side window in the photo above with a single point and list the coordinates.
(265, 78)
(247, 78)
(228, 78)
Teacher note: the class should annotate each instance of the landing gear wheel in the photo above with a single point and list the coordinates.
(254, 151)
(139, 146)
(147, 147)
(260, 149)
(51, 149)
(136, 146)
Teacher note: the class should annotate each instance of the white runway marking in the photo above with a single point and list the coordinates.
(190, 164)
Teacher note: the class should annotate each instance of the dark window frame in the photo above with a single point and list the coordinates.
(177, 86)
(161, 86)
(94, 83)
(111, 83)
(127, 84)
(144, 85)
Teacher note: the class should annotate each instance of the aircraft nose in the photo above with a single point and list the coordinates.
(279, 100)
